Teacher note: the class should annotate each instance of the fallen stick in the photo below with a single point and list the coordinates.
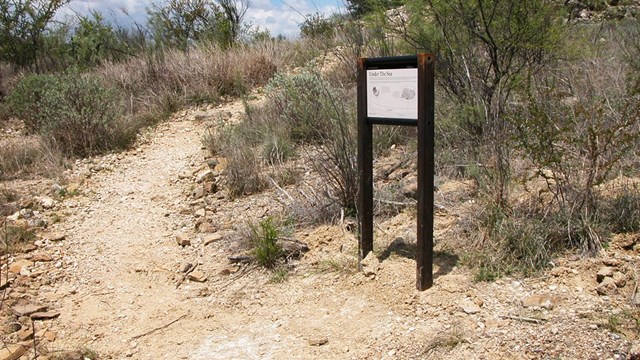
(159, 328)
(525, 319)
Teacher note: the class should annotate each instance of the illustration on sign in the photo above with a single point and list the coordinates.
(392, 93)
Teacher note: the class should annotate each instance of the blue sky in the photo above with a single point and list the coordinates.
(279, 17)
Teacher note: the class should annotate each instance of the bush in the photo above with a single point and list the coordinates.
(75, 112)
(264, 237)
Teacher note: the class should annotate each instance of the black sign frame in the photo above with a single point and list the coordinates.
(424, 62)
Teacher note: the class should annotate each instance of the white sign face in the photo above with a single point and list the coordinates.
(392, 93)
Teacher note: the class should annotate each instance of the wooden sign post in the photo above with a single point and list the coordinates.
(398, 91)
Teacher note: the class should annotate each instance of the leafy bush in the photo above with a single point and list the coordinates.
(76, 112)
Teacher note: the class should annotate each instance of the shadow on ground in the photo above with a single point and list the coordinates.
(443, 261)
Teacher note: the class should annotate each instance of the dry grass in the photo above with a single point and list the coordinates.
(170, 80)
(29, 156)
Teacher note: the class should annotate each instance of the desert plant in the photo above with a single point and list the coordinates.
(76, 112)
(486, 50)
(576, 133)
(264, 238)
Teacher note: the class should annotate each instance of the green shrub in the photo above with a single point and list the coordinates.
(264, 238)
(74, 111)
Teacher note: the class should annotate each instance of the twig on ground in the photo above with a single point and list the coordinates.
(281, 189)
(524, 319)
(185, 274)
(160, 328)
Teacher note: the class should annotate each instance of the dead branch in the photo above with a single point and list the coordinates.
(160, 328)
(524, 319)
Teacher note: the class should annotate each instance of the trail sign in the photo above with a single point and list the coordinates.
(398, 91)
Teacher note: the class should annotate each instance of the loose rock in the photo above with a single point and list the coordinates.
(544, 301)
(183, 240)
(370, 264)
(45, 315)
(197, 276)
(619, 279)
(604, 273)
(27, 309)
(607, 287)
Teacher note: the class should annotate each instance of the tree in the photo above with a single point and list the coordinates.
(181, 23)
(486, 51)
(229, 24)
(22, 27)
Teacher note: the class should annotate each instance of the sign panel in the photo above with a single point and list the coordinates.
(392, 93)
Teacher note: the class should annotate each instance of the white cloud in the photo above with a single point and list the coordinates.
(284, 18)
(277, 16)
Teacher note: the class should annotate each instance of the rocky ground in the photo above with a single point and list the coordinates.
(132, 260)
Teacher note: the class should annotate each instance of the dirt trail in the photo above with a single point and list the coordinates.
(122, 260)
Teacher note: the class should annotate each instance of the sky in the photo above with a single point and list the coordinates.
(277, 16)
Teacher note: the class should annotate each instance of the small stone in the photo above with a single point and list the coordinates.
(208, 239)
(198, 192)
(607, 287)
(55, 237)
(604, 273)
(468, 307)
(25, 334)
(207, 227)
(619, 279)
(370, 264)
(391, 352)
(27, 248)
(45, 201)
(183, 240)
(197, 276)
(205, 175)
(593, 327)
(558, 271)
(318, 341)
(543, 301)
(45, 315)
(12, 352)
(41, 258)
(50, 335)
(27, 309)
(201, 212)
